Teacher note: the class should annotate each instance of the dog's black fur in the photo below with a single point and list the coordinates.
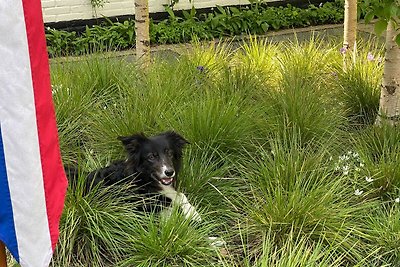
(152, 164)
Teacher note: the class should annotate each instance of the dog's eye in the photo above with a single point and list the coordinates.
(168, 152)
(151, 156)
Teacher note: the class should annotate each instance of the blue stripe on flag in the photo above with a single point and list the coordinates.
(7, 230)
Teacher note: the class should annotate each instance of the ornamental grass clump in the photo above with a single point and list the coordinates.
(379, 148)
(291, 189)
(81, 90)
(295, 250)
(307, 63)
(174, 241)
(261, 58)
(302, 103)
(145, 104)
(210, 58)
(272, 166)
(95, 225)
(216, 123)
(358, 86)
(383, 226)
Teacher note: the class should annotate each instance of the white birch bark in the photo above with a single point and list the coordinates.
(142, 31)
(389, 106)
(350, 27)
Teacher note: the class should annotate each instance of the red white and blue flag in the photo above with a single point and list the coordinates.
(32, 179)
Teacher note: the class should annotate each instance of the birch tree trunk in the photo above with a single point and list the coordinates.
(142, 31)
(350, 26)
(389, 105)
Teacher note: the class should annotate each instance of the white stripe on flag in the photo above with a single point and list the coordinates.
(20, 139)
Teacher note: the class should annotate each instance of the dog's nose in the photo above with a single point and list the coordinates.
(169, 173)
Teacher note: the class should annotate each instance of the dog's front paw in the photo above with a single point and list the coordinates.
(166, 213)
(190, 212)
(216, 242)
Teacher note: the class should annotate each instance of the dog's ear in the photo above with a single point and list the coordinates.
(132, 143)
(176, 140)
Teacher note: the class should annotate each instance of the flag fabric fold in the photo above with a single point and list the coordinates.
(32, 179)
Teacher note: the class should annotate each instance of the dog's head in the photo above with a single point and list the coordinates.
(158, 157)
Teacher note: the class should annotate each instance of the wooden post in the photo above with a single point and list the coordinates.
(3, 256)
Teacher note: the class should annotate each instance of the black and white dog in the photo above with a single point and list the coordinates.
(152, 164)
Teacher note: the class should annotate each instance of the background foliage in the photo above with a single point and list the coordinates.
(257, 18)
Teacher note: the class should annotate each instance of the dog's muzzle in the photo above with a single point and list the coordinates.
(167, 177)
(163, 179)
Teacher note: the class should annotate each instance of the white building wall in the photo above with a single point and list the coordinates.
(66, 10)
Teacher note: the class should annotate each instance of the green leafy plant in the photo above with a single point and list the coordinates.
(385, 11)
(224, 21)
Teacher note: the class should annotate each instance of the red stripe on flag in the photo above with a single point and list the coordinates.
(55, 182)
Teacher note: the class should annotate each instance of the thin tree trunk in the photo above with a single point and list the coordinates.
(142, 31)
(350, 27)
(389, 106)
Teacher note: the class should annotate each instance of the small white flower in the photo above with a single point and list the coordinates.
(397, 200)
(355, 155)
(358, 192)
(344, 158)
(369, 179)
(346, 169)
(362, 164)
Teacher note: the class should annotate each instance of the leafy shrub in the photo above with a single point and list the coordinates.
(258, 19)
(109, 36)
(178, 30)
(224, 21)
